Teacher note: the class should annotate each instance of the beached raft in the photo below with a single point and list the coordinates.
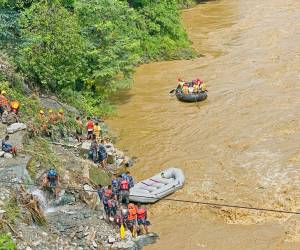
(192, 97)
(157, 186)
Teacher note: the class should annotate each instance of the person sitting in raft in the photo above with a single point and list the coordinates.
(185, 89)
(180, 83)
(195, 87)
(203, 87)
(7, 147)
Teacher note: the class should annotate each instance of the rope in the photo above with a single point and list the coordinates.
(213, 204)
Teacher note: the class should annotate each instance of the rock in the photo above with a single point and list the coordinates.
(8, 156)
(94, 244)
(89, 196)
(86, 145)
(111, 240)
(15, 127)
(2, 153)
(28, 248)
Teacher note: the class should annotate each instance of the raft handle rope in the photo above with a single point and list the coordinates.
(212, 204)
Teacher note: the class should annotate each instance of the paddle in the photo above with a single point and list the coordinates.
(172, 91)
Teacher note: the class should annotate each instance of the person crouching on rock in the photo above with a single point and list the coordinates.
(142, 219)
(53, 181)
(7, 147)
(124, 191)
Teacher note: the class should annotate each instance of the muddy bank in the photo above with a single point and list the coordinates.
(238, 147)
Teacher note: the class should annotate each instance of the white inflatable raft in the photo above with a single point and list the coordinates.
(158, 186)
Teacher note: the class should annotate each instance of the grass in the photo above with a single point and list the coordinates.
(12, 211)
(6, 242)
(98, 176)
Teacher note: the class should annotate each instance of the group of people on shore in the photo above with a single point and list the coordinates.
(115, 200)
(194, 86)
(7, 105)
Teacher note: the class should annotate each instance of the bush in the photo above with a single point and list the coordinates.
(6, 242)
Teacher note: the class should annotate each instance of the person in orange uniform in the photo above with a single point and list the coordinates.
(14, 106)
(132, 218)
(142, 218)
(185, 89)
(90, 128)
(3, 102)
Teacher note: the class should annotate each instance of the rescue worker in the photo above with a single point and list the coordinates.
(100, 191)
(142, 218)
(124, 191)
(94, 149)
(97, 131)
(185, 89)
(130, 180)
(203, 87)
(115, 183)
(14, 106)
(3, 102)
(105, 201)
(79, 127)
(195, 87)
(52, 117)
(7, 147)
(102, 154)
(132, 219)
(61, 115)
(53, 180)
(90, 128)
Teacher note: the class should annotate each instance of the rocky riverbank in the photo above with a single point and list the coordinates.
(76, 219)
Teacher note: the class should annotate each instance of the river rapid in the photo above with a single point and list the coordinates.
(241, 146)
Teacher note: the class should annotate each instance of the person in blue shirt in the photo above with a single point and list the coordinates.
(102, 154)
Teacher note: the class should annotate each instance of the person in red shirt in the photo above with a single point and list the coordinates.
(90, 128)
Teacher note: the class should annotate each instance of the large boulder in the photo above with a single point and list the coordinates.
(2, 153)
(8, 156)
(89, 196)
(15, 127)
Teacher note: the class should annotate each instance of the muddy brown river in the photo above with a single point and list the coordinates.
(241, 146)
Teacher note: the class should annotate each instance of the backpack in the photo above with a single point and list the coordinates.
(52, 173)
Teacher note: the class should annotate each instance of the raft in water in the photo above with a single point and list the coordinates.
(158, 186)
(192, 97)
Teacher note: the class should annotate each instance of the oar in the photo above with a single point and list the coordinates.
(172, 91)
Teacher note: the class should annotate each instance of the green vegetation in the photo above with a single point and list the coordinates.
(12, 211)
(84, 50)
(6, 242)
(98, 176)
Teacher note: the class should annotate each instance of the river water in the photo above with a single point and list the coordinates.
(241, 146)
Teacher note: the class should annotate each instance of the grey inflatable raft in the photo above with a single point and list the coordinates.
(193, 97)
(157, 186)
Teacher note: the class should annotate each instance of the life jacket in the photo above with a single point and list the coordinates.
(141, 213)
(203, 87)
(131, 212)
(195, 88)
(52, 174)
(185, 89)
(90, 125)
(108, 192)
(124, 185)
(15, 104)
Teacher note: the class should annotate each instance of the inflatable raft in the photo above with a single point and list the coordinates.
(193, 97)
(157, 186)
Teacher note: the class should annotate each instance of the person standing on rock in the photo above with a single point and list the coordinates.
(102, 154)
(115, 183)
(94, 149)
(4, 105)
(124, 191)
(90, 128)
(79, 128)
(142, 218)
(53, 181)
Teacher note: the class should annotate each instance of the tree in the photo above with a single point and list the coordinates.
(112, 34)
(53, 51)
